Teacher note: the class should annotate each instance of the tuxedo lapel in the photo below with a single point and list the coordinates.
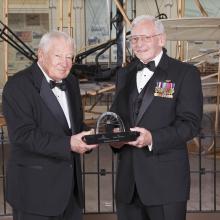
(70, 101)
(132, 99)
(52, 103)
(131, 93)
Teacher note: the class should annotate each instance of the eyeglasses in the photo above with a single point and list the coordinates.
(68, 58)
(143, 38)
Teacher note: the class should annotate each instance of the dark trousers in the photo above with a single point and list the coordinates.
(138, 211)
(72, 212)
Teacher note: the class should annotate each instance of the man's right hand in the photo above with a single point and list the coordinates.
(78, 145)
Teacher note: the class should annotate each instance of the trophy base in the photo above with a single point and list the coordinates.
(111, 137)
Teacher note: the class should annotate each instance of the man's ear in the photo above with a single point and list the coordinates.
(162, 40)
(39, 54)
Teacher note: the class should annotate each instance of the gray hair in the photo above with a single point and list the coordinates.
(158, 24)
(45, 41)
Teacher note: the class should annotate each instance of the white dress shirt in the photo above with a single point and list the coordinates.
(143, 76)
(61, 97)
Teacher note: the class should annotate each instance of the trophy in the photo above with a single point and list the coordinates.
(110, 128)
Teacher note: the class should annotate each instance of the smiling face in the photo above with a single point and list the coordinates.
(146, 41)
(56, 58)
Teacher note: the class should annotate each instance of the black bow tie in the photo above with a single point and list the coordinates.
(60, 85)
(151, 66)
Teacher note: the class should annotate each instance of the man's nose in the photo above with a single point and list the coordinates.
(64, 61)
(139, 41)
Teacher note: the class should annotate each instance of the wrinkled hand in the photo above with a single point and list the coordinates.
(143, 140)
(78, 145)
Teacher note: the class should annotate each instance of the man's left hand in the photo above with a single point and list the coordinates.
(143, 140)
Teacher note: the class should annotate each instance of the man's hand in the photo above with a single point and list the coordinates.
(78, 145)
(143, 140)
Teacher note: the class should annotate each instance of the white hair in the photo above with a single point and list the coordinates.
(47, 38)
(158, 24)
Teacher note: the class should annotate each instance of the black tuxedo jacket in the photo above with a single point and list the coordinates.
(41, 171)
(161, 175)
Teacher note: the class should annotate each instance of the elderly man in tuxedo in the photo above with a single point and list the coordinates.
(43, 111)
(161, 98)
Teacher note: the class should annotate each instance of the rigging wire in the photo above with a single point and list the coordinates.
(160, 15)
(158, 11)
(149, 7)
